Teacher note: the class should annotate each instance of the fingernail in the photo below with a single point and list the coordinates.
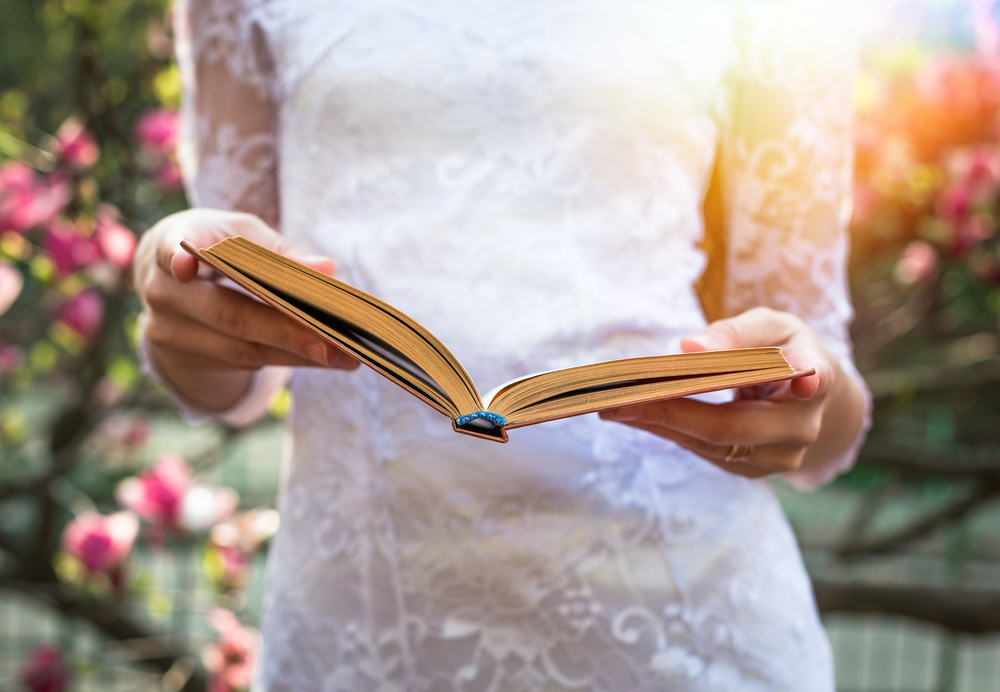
(706, 341)
(320, 354)
(319, 263)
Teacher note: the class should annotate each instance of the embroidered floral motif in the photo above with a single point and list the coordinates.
(549, 148)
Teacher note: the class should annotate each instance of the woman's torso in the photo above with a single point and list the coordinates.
(524, 179)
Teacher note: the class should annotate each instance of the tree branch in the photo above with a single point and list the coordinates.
(883, 383)
(931, 522)
(960, 611)
(111, 619)
(980, 461)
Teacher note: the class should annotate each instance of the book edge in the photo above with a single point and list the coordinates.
(435, 343)
(703, 390)
(503, 429)
(308, 325)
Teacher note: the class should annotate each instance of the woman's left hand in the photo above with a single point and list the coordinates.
(793, 424)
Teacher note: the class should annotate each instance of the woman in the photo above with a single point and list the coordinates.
(527, 180)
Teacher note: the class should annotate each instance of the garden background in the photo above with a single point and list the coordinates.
(132, 545)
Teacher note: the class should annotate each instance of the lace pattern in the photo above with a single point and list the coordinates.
(228, 127)
(788, 153)
(530, 149)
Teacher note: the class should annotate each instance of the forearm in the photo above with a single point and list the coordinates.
(208, 391)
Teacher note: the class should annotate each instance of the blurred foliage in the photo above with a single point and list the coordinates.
(926, 260)
(88, 100)
(88, 130)
(106, 62)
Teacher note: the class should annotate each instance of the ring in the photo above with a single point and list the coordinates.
(739, 453)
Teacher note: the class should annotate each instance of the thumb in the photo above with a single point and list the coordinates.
(753, 328)
(205, 227)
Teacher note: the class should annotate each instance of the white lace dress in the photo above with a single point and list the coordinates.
(525, 178)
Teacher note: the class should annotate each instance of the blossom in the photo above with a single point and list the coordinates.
(70, 246)
(101, 543)
(226, 566)
(233, 543)
(168, 175)
(45, 671)
(165, 496)
(116, 242)
(10, 358)
(11, 283)
(27, 201)
(75, 145)
(247, 531)
(126, 432)
(157, 132)
(232, 659)
(156, 495)
(158, 129)
(84, 313)
(918, 263)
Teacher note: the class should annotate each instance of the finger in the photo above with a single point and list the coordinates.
(203, 228)
(753, 328)
(803, 352)
(190, 344)
(238, 316)
(762, 460)
(739, 422)
(710, 455)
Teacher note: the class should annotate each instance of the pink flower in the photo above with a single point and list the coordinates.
(126, 432)
(226, 566)
(232, 659)
(26, 201)
(955, 203)
(157, 129)
(165, 497)
(70, 246)
(978, 168)
(75, 145)
(156, 495)
(84, 313)
(116, 242)
(157, 133)
(168, 176)
(248, 530)
(11, 283)
(101, 543)
(233, 543)
(45, 671)
(919, 262)
(10, 358)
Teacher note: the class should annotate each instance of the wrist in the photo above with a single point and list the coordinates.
(209, 392)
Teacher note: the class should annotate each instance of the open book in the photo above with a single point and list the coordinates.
(395, 346)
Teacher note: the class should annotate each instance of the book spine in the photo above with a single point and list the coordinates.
(485, 415)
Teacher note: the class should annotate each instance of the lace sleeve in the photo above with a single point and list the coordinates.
(786, 161)
(228, 143)
(228, 121)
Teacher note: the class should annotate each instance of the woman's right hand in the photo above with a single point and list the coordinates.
(206, 339)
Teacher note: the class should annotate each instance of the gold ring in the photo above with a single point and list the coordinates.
(739, 453)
